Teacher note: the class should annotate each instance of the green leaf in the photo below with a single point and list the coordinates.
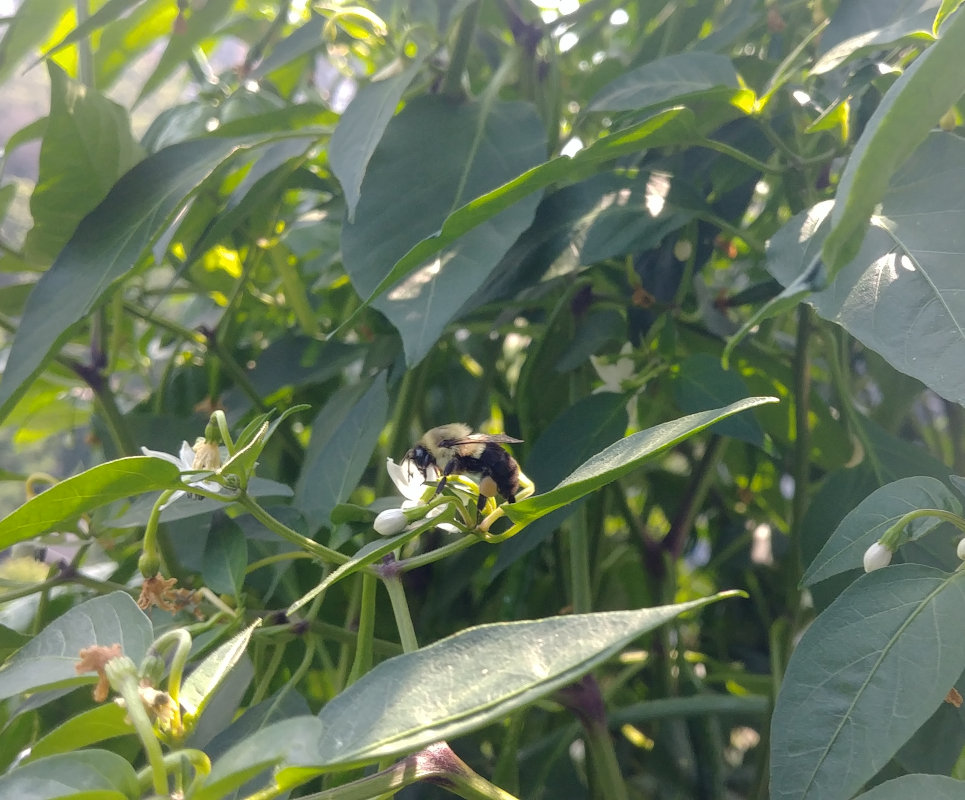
(414, 182)
(87, 145)
(107, 13)
(866, 523)
(201, 684)
(225, 557)
(50, 657)
(344, 434)
(476, 676)
(105, 721)
(290, 740)
(91, 775)
(201, 23)
(909, 110)
(947, 7)
(866, 26)
(11, 641)
(675, 126)
(672, 80)
(900, 295)
(106, 245)
(701, 381)
(65, 501)
(934, 787)
(622, 457)
(361, 127)
(865, 676)
(33, 22)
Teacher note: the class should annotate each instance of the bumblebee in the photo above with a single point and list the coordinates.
(455, 449)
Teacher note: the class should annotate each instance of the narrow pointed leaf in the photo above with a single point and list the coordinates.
(107, 13)
(90, 774)
(201, 684)
(909, 110)
(50, 658)
(471, 679)
(65, 501)
(865, 524)
(865, 676)
(622, 457)
(934, 787)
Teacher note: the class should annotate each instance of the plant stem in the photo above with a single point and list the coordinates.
(363, 647)
(400, 608)
(580, 590)
(452, 84)
(320, 551)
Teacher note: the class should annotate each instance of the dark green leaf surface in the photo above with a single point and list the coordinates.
(435, 157)
(106, 245)
(471, 679)
(903, 295)
(33, 22)
(50, 657)
(344, 434)
(225, 557)
(65, 501)
(702, 382)
(868, 521)
(865, 676)
(622, 457)
(90, 774)
(932, 787)
(670, 80)
(910, 109)
(361, 126)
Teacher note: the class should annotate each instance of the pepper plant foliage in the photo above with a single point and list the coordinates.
(702, 258)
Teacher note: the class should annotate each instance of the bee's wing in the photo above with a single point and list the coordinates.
(475, 438)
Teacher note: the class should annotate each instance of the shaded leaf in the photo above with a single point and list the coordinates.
(89, 774)
(65, 501)
(622, 457)
(106, 721)
(33, 22)
(902, 121)
(50, 657)
(203, 682)
(701, 381)
(225, 557)
(865, 676)
(672, 80)
(344, 434)
(866, 523)
(934, 787)
(476, 676)
(902, 295)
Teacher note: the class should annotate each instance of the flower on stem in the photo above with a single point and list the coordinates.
(94, 659)
(960, 550)
(204, 457)
(416, 490)
(876, 557)
(390, 522)
(160, 592)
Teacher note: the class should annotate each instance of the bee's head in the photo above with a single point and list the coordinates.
(419, 458)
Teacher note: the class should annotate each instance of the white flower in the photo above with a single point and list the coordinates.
(876, 557)
(960, 550)
(390, 522)
(411, 483)
(614, 374)
(187, 460)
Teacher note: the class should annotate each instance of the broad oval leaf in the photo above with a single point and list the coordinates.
(414, 182)
(865, 676)
(903, 295)
(621, 457)
(97, 724)
(50, 658)
(471, 679)
(866, 523)
(89, 773)
(98, 486)
(909, 110)
(671, 80)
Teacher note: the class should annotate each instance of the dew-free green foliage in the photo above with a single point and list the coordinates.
(703, 259)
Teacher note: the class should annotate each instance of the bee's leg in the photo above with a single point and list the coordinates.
(445, 477)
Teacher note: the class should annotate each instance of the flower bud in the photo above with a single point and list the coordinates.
(876, 557)
(960, 550)
(390, 522)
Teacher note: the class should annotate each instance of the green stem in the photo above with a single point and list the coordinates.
(274, 662)
(294, 290)
(407, 564)
(918, 513)
(150, 561)
(802, 449)
(606, 768)
(400, 608)
(580, 589)
(85, 56)
(127, 688)
(452, 84)
(320, 551)
(366, 629)
(116, 426)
